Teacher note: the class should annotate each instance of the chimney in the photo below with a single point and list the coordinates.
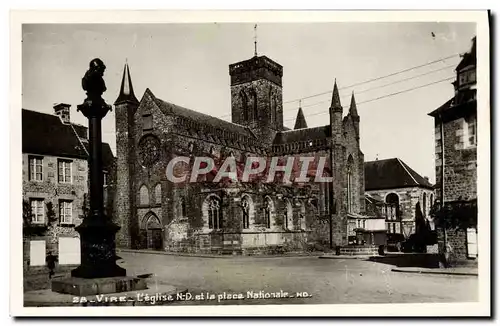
(62, 110)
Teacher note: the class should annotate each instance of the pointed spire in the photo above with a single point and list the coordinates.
(353, 110)
(300, 122)
(335, 97)
(126, 89)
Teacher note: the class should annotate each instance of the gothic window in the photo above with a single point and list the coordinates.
(158, 194)
(183, 207)
(350, 190)
(393, 200)
(268, 211)
(213, 211)
(254, 105)
(244, 105)
(288, 220)
(302, 216)
(245, 207)
(144, 195)
(272, 108)
(424, 205)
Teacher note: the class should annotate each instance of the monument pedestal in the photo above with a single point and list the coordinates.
(92, 286)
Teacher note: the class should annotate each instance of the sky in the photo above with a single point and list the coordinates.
(187, 64)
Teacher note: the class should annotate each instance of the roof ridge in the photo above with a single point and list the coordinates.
(304, 129)
(404, 167)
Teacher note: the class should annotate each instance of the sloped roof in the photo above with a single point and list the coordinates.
(45, 134)
(391, 174)
(172, 109)
(291, 136)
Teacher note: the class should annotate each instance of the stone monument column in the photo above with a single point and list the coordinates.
(97, 231)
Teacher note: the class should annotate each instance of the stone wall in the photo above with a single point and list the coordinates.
(460, 173)
(51, 191)
(456, 243)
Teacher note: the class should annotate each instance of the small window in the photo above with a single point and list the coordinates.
(66, 212)
(64, 169)
(147, 122)
(105, 178)
(36, 168)
(37, 211)
(471, 131)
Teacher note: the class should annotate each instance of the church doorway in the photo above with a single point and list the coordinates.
(153, 232)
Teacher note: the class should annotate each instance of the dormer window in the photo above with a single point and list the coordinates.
(467, 76)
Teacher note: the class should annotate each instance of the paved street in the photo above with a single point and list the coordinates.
(326, 281)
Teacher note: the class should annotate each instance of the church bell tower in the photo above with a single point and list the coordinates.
(256, 94)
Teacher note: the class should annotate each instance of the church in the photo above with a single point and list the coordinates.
(234, 217)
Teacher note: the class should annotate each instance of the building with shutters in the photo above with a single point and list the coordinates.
(55, 184)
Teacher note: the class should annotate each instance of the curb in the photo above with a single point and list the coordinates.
(434, 272)
(344, 257)
(180, 254)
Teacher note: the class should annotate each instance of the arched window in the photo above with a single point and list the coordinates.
(255, 112)
(158, 194)
(272, 108)
(302, 216)
(288, 220)
(431, 200)
(268, 211)
(393, 200)
(424, 204)
(247, 210)
(213, 212)
(350, 190)
(143, 195)
(183, 207)
(244, 105)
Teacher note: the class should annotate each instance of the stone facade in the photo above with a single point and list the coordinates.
(411, 204)
(50, 144)
(456, 158)
(233, 216)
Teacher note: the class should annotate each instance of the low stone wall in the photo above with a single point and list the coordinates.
(244, 243)
(359, 250)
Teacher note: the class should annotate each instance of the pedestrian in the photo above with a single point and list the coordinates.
(51, 263)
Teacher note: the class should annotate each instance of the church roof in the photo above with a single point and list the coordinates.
(46, 134)
(391, 174)
(292, 136)
(300, 122)
(176, 110)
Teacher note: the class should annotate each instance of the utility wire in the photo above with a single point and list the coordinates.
(377, 87)
(377, 78)
(371, 80)
(384, 96)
